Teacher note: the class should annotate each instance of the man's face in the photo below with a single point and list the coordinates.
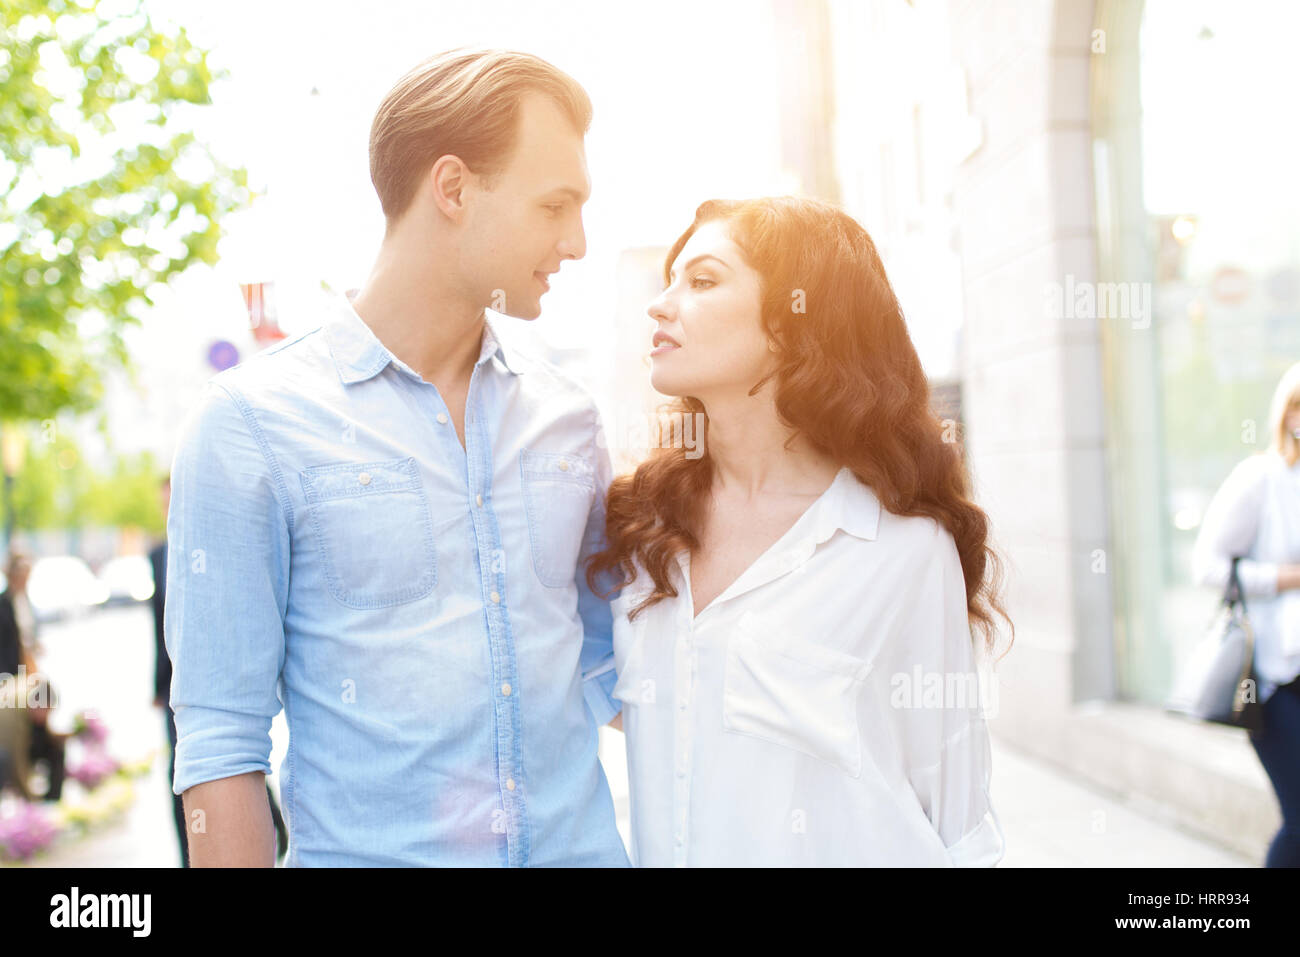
(530, 220)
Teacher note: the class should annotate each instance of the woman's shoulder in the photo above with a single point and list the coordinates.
(1252, 472)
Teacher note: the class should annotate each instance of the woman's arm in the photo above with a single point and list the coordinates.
(945, 744)
(1229, 529)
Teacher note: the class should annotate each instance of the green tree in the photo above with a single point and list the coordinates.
(92, 216)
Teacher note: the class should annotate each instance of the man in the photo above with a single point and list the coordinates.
(380, 524)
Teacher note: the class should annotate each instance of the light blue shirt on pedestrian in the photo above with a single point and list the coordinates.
(418, 608)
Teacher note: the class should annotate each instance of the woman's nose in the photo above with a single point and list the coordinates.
(660, 307)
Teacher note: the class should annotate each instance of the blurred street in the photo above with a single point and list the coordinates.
(105, 661)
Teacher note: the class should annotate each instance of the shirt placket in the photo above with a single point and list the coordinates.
(492, 583)
(684, 656)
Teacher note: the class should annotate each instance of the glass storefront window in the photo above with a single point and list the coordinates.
(1198, 202)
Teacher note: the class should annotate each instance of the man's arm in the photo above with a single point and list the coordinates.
(227, 592)
(597, 659)
(230, 822)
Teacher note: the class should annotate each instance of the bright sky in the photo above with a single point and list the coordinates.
(678, 117)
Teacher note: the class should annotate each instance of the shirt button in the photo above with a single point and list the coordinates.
(496, 598)
(505, 689)
(442, 418)
(364, 478)
(564, 465)
(479, 500)
(510, 784)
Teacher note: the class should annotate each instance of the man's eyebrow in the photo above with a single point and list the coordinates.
(576, 195)
(673, 272)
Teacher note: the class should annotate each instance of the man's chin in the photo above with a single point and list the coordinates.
(528, 311)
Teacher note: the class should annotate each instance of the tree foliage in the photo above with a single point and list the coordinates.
(104, 190)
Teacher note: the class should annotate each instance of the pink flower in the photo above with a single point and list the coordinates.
(24, 833)
(93, 768)
(91, 725)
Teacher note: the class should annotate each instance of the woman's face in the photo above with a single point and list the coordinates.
(710, 314)
(1291, 419)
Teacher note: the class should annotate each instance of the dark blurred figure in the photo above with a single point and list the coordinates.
(46, 745)
(162, 672)
(162, 684)
(15, 660)
(13, 643)
(25, 736)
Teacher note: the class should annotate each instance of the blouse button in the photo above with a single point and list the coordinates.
(364, 478)
(510, 784)
(564, 465)
(496, 598)
(442, 418)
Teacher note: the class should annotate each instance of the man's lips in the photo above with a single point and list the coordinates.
(541, 277)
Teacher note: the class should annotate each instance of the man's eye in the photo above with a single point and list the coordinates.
(555, 208)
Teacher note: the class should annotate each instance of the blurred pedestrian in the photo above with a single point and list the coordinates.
(17, 631)
(162, 672)
(1255, 516)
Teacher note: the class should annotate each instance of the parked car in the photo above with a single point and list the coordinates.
(129, 579)
(63, 586)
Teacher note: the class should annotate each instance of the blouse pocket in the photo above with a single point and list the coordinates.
(558, 492)
(374, 532)
(798, 695)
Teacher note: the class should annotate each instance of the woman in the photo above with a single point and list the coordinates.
(793, 595)
(1255, 515)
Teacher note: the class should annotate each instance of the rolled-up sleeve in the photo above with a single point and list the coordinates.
(945, 742)
(597, 661)
(227, 591)
(1229, 529)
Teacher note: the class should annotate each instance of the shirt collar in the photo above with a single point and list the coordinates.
(359, 355)
(847, 504)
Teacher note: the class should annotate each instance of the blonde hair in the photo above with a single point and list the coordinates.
(465, 103)
(1288, 390)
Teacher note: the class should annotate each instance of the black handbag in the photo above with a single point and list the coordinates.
(1218, 682)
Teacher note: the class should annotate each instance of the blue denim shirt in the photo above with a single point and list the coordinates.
(417, 608)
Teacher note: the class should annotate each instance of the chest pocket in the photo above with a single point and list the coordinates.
(372, 526)
(795, 694)
(558, 493)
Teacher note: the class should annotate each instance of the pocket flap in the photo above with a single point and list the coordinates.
(321, 483)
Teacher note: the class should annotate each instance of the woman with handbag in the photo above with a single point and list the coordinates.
(1255, 517)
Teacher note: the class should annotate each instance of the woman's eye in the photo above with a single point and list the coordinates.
(695, 279)
(555, 208)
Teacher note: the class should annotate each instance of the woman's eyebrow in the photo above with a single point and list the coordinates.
(673, 272)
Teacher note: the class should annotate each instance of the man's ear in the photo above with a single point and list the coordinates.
(449, 179)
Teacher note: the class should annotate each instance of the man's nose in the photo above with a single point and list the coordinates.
(574, 246)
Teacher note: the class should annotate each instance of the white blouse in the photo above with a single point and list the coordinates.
(1256, 514)
(824, 709)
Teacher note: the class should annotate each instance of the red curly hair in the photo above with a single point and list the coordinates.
(847, 377)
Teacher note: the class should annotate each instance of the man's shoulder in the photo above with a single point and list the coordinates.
(545, 378)
(279, 369)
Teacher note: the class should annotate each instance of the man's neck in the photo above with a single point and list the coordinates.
(421, 319)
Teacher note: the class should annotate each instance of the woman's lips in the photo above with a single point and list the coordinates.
(541, 277)
(662, 344)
